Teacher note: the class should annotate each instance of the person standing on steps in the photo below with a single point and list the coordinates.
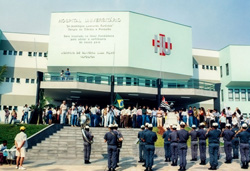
(201, 133)
(182, 136)
(213, 135)
(174, 146)
(141, 145)
(149, 138)
(228, 135)
(88, 139)
(167, 144)
(111, 139)
(194, 143)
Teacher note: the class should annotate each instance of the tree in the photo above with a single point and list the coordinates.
(3, 70)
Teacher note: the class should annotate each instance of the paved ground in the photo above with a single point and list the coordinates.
(127, 164)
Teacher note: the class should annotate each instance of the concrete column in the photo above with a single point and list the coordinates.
(158, 92)
(217, 100)
(112, 85)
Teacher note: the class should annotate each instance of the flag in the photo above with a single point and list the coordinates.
(119, 102)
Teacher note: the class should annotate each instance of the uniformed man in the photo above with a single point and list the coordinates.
(167, 144)
(149, 137)
(182, 136)
(87, 144)
(228, 135)
(174, 146)
(144, 150)
(201, 133)
(194, 143)
(119, 146)
(213, 135)
(244, 146)
(111, 138)
(235, 141)
(141, 145)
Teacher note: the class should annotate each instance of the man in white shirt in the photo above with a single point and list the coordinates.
(229, 114)
(63, 109)
(26, 110)
(21, 145)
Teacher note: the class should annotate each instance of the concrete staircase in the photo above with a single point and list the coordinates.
(68, 144)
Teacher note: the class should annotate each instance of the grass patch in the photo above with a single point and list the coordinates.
(8, 132)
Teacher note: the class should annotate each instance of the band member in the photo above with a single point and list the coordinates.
(88, 140)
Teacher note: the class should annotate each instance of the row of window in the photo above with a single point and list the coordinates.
(227, 70)
(9, 107)
(17, 80)
(20, 53)
(237, 95)
(205, 67)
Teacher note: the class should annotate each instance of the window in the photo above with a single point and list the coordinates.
(29, 53)
(243, 95)
(34, 53)
(20, 53)
(10, 52)
(40, 54)
(215, 68)
(27, 80)
(203, 66)
(5, 52)
(237, 94)
(221, 72)
(222, 96)
(15, 107)
(45, 54)
(196, 66)
(32, 81)
(7, 79)
(0, 107)
(227, 69)
(207, 67)
(12, 80)
(4, 107)
(230, 95)
(211, 67)
(18, 80)
(10, 107)
(15, 53)
(248, 92)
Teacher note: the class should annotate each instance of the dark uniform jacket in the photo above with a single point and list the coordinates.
(193, 135)
(149, 137)
(182, 135)
(166, 136)
(201, 133)
(214, 136)
(228, 135)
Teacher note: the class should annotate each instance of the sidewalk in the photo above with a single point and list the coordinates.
(126, 164)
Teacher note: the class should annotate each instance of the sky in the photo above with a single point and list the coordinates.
(215, 23)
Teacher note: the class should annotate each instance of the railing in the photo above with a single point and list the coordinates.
(129, 80)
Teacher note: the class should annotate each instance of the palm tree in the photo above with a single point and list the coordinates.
(3, 70)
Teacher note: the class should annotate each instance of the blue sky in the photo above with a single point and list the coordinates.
(215, 23)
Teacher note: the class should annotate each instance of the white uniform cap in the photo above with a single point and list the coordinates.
(73, 104)
(244, 125)
(115, 125)
(182, 123)
(193, 126)
(150, 125)
(228, 125)
(215, 124)
(146, 124)
(87, 127)
(167, 126)
(175, 126)
(202, 124)
(142, 126)
(171, 124)
(110, 125)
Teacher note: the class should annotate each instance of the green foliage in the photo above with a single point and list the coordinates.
(3, 70)
(8, 132)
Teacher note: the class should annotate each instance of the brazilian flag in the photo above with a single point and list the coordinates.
(119, 102)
